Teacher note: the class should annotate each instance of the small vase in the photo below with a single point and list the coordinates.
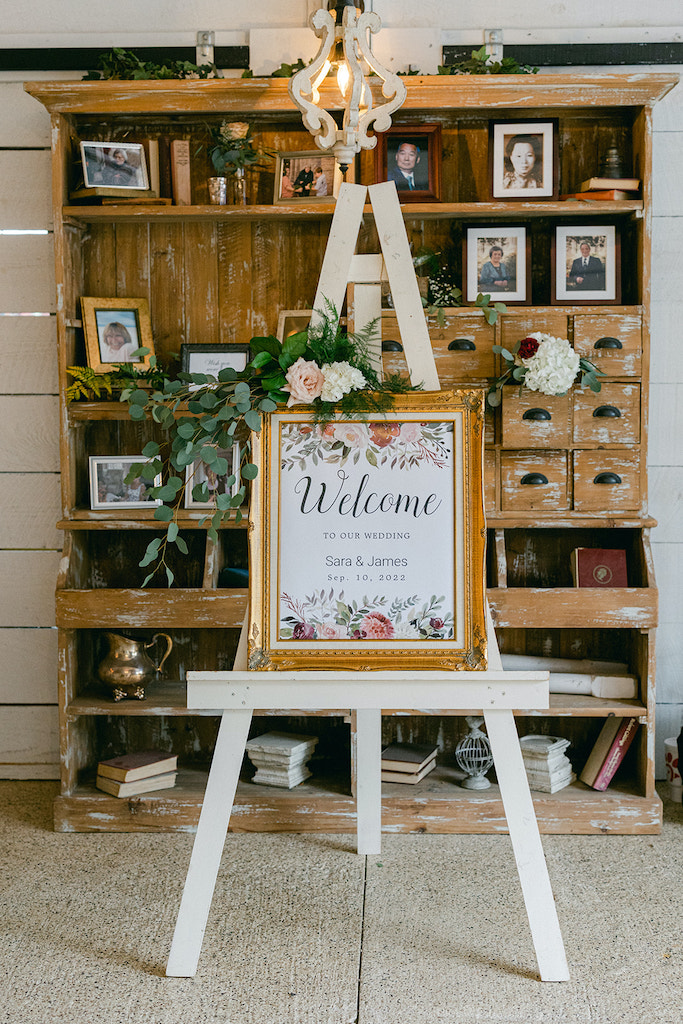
(218, 191)
(239, 187)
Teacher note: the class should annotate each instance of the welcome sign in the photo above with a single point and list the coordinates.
(369, 542)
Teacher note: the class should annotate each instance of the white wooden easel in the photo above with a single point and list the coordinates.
(240, 692)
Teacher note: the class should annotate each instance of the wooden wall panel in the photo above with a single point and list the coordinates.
(28, 667)
(27, 274)
(28, 360)
(29, 509)
(23, 120)
(29, 425)
(25, 200)
(30, 600)
(29, 743)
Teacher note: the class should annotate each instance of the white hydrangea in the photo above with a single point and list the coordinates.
(340, 378)
(406, 631)
(553, 369)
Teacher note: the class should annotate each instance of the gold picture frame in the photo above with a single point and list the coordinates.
(115, 329)
(368, 539)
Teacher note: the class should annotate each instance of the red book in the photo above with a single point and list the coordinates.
(599, 567)
(600, 195)
(615, 738)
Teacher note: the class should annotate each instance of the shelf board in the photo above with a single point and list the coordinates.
(138, 519)
(322, 211)
(573, 607)
(437, 804)
(154, 608)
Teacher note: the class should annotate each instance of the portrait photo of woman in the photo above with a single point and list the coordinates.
(523, 160)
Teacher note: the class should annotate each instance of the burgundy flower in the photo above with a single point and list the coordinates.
(303, 631)
(358, 634)
(528, 348)
(436, 623)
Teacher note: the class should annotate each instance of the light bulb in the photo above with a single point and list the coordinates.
(343, 77)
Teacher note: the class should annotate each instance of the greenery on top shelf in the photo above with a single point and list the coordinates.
(480, 63)
(284, 71)
(124, 65)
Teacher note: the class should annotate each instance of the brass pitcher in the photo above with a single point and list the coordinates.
(126, 667)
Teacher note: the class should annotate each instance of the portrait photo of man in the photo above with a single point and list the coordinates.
(587, 271)
(586, 263)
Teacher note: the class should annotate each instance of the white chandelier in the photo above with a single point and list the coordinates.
(344, 33)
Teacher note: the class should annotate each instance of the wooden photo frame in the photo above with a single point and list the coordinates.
(292, 321)
(368, 539)
(114, 165)
(497, 249)
(108, 489)
(308, 176)
(198, 474)
(115, 332)
(211, 359)
(410, 156)
(523, 159)
(586, 264)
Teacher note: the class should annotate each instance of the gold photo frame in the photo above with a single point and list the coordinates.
(368, 542)
(115, 331)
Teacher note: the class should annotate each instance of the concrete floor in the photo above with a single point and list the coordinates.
(303, 931)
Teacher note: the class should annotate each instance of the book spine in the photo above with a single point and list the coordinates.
(180, 172)
(622, 742)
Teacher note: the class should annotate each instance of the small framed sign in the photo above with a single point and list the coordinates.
(368, 539)
(211, 359)
(586, 266)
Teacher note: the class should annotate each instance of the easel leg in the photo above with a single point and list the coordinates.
(526, 843)
(208, 844)
(369, 784)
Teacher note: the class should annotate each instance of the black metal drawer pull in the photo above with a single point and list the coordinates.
(461, 345)
(607, 478)
(607, 412)
(608, 343)
(392, 346)
(537, 414)
(535, 479)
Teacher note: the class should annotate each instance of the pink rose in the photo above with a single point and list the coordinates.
(353, 435)
(411, 432)
(304, 382)
(376, 626)
(330, 631)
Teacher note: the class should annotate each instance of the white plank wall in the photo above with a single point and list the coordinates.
(26, 280)
(29, 457)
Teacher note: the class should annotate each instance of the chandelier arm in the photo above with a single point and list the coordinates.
(393, 87)
(302, 85)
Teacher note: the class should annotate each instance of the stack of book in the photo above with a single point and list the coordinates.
(548, 768)
(408, 762)
(601, 189)
(144, 772)
(280, 758)
(615, 738)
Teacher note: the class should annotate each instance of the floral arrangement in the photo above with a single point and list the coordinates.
(329, 616)
(338, 442)
(233, 148)
(543, 363)
(321, 367)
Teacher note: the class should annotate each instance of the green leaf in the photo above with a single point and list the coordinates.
(166, 493)
(149, 472)
(223, 501)
(208, 400)
(226, 412)
(220, 466)
(200, 492)
(212, 534)
(140, 353)
(261, 359)
(181, 545)
(227, 374)
(172, 532)
(136, 412)
(274, 382)
(163, 514)
(186, 429)
(151, 449)
(371, 457)
(249, 471)
(208, 454)
(147, 578)
(175, 483)
(294, 346)
(139, 397)
(494, 398)
(507, 355)
(267, 405)
(243, 406)
(269, 344)
(242, 390)
(169, 576)
(253, 420)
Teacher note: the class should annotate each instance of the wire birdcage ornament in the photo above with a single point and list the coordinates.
(473, 754)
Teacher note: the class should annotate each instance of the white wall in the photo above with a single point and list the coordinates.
(412, 34)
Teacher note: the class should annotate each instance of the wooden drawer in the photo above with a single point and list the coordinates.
(532, 420)
(533, 481)
(610, 416)
(489, 481)
(514, 328)
(612, 342)
(463, 348)
(607, 480)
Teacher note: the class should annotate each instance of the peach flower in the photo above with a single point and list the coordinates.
(330, 631)
(304, 382)
(411, 432)
(354, 435)
(376, 626)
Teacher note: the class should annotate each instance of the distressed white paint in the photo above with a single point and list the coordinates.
(666, 425)
(29, 738)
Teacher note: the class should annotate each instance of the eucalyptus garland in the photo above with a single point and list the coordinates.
(203, 415)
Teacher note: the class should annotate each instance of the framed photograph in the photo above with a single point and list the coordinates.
(108, 488)
(368, 539)
(211, 359)
(497, 262)
(586, 264)
(198, 474)
(307, 177)
(116, 165)
(115, 330)
(410, 156)
(523, 158)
